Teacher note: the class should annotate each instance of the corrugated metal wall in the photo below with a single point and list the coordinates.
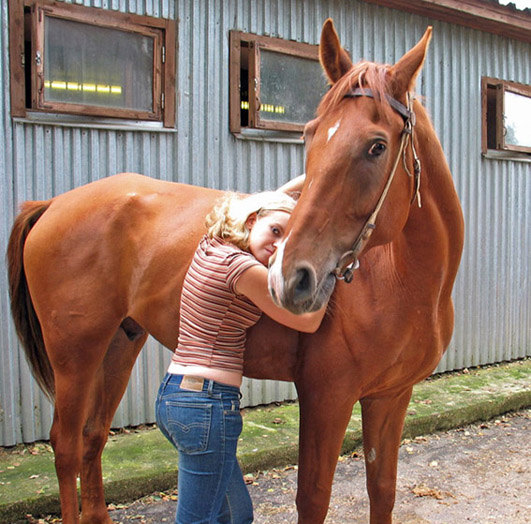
(493, 295)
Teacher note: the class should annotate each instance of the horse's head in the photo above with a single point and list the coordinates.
(361, 174)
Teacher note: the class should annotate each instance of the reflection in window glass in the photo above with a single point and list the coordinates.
(290, 87)
(517, 119)
(90, 65)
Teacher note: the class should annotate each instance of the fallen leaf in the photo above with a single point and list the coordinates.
(425, 491)
(249, 478)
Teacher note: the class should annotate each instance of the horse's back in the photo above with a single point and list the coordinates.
(108, 193)
(116, 213)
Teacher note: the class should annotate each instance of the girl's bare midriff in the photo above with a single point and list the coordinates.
(231, 378)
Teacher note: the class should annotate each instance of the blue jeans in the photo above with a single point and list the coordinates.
(205, 426)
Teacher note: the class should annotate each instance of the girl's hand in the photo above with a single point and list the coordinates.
(293, 186)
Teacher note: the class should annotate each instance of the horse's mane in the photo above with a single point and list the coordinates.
(365, 75)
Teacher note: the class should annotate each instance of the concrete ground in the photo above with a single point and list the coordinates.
(478, 474)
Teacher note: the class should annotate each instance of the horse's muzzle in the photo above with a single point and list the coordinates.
(299, 292)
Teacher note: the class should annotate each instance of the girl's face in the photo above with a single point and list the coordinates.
(265, 232)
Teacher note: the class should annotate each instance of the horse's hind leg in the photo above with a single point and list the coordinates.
(66, 465)
(81, 363)
(383, 421)
(74, 381)
(109, 388)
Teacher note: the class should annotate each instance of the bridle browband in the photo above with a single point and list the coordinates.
(349, 260)
(405, 112)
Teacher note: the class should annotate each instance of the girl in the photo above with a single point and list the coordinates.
(198, 405)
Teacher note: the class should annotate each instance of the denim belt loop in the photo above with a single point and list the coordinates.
(210, 387)
(166, 379)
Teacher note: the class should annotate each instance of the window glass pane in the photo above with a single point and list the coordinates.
(290, 87)
(90, 65)
(517, 119)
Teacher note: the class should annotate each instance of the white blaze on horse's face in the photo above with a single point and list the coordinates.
(333, 129)
(275, 279)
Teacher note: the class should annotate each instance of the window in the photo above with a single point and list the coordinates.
(274, 84)
(93, 62)
(506, 116)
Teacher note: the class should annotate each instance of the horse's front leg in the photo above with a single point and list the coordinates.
(324, 415)
(383, 421)
(108, 391)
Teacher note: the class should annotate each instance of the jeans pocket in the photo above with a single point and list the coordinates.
(189, 425)
(233, 421)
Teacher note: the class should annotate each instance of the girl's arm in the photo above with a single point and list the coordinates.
(294, 185)
(253, 284)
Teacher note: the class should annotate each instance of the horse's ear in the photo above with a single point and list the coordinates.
(333, 57)
(404, 73)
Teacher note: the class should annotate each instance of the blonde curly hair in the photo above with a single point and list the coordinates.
(228, 218)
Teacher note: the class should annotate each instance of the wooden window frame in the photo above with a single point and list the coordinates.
(161, 30)
(492, 109)
(255, 43)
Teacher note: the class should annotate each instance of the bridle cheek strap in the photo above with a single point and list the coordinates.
(349, 260)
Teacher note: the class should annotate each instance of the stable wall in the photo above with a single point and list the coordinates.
(492, 293)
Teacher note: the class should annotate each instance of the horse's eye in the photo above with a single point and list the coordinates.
(377, 149)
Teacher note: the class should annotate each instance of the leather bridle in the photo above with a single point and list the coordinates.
(349, 262)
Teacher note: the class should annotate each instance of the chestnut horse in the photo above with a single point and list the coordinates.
(94, 270)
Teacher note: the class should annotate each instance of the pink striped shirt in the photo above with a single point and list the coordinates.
(214, 318)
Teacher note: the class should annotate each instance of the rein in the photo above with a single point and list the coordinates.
(349, 262)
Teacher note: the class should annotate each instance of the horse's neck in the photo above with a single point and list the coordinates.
(435, 230)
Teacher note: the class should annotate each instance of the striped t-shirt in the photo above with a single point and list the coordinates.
(213, 317)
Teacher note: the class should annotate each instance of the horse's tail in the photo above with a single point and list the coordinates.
(26, 322)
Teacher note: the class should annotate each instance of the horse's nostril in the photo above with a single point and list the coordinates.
(303, 284)
(303, 280)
